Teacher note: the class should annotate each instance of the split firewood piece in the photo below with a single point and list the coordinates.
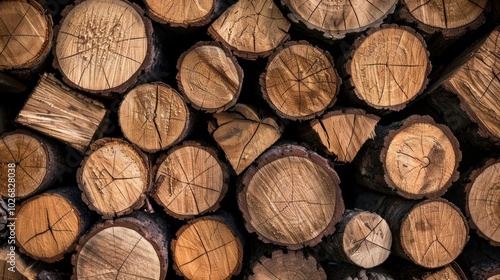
(114, 177)
(25, 36)
(430, 233)
(131, 247)
(209, 77)
(28, 164)
(190, 180)
(208, 248)
(251, 28)
(49, 225)
(334, 20)
(103, 45)
(185, 13)
(59, 112)
(300, 81)
(389, 67)
(414, 158)
(291, 197)
(362, 238)
(343, 132)
(244, 133)
(154, 117)
(482, 201)
(450, 17)
(292, 264)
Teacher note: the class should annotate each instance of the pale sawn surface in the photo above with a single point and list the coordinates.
(182, 12)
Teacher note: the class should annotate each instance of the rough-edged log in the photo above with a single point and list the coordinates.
(244, 133)
(414, 158)
(291, 197)
(114, 177)
(480, 260)
(59, 112)
(347, 271)
(190, 180)
(388, 67)
(184, 14)
(406, 270)
(300, 81)
(19, 266)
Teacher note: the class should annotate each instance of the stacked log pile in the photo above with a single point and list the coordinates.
(249, 139)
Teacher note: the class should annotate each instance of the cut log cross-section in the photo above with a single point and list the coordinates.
(389, 67)
(244, 133)
(185, 13)
(300, 81)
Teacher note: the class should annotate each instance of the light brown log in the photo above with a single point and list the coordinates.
(209, 77)
(300, 81)
(251, 28)
(114, 177)
(57, 111)
(408, 270)
(389, 67)
(244, 133)
(185, 13)
(291, 197)
(25, 267)
(190, 180)
(414, 158)
(154, 117)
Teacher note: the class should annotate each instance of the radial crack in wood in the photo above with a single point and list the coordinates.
(185, 13)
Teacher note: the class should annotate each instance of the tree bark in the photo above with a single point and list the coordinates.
(276, 201)
(414, 158)
(480, 260)
(59, 112)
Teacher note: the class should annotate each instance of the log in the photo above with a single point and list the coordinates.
(450, 18)
(251, 28)
(292, 264)
(300, 81)
(341, 132)
(361, 238)
(407, 270)
(114, 177)
(131, 247)
(431, 233)
(154, 117)
(291, 197)
(244, 133)
(480, 260)
(33, 161)
(49, 225)
(184, 14)
(413, 158)
(103, 45)
(24, 267)
(207, 247)
(59, 112)
(335, 20)
(11, 85)
(389, 67)
(190, 180)
(347, 271)
(209, 77)
(26, 37)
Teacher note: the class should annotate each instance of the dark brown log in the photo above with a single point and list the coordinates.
(480, 260)
(414, 158)
(351, 272)
(59, 112)
(291, 197)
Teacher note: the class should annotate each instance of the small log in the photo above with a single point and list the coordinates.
(300, 81)
(347, 271)
(184, 14)
(285, 266)
(342, 132)
(414, 158)
(389, 67)
(114, 177)
(407, 270)
(25, 37)
(430, 233)
(209, 77)
(190, 180)
(244, 133)
(103, 45)
(59, 112)
(449, 17)
(291, 197)
(131, 247)
(25, 268)
(34, 160)
(49, 225)
(207, 247)
(334, 20)
(154, 117)
(362, 238)
(251, 28)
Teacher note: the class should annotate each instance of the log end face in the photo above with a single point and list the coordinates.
(184, 13)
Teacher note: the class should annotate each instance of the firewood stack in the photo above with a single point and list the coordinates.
(252, 139)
